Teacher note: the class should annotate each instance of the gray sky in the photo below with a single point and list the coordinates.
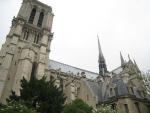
(122, 25)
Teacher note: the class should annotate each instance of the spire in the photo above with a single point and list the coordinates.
(129, 57)
(136, 65)
(101, 57)
(101, 60)
(122, 60)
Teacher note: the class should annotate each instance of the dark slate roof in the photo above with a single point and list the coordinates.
(121, 87)
(96, 89)
(117, 70)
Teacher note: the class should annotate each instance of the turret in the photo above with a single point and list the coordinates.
(136, 66)
(122, 60)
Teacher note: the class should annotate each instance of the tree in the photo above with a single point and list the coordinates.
(146, 79)
(105, 109)
(41, 95)
(77, 106)
(15, 107)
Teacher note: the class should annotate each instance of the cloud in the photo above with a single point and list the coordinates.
(123, 24)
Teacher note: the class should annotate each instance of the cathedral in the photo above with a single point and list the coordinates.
(26, 51)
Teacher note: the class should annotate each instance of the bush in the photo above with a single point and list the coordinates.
(41, 95)
(105, 109)
(77, 106)
(15, 107)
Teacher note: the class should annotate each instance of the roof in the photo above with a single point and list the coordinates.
(42, 4)
(117, 70)
(70, 69)
(121, 87)
(96, 89)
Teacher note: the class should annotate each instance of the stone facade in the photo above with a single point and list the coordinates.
(27, 46)
(26, 51)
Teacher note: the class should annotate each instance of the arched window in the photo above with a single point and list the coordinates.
(137, 107)
(33, 72)
(32, 15)
(39, 24)
(126, 108)
(36, 38)
(61, 84)
(111, 91)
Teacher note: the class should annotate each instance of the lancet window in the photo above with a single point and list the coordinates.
(32, 16)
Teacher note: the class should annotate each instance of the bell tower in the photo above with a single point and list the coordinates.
(27, 46)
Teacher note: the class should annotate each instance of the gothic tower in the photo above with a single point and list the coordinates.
(27, 46)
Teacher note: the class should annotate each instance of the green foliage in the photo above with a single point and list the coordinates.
(15, 107)
(77, 106)
(41, 95)
(146, 79)
(105, 109)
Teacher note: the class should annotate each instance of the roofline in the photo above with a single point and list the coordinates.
(116, 69)
(39, 2)
(74, 67)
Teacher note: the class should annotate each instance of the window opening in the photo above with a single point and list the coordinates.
(87, 97)
(34, 68)
(111, 91)
(126, 108)
(137, 107)
(132, 90)
(36, 38)
(32, 15)
(39, 24)
(61, 84)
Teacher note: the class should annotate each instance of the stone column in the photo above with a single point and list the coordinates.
(8, 58)
(42, 55)
(4, 69)
(24, 67)
(48, 20)
(48, 49)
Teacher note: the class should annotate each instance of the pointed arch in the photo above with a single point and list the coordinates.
(36, 38)
(40, 21)
(26, 35)
(32, 16)
(34, 69)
